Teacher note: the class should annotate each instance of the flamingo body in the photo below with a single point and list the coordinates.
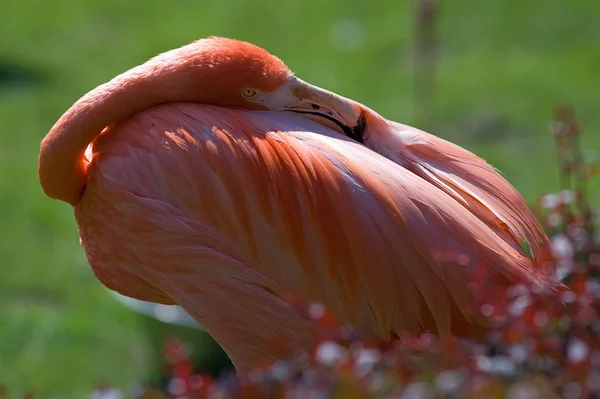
(224, 207)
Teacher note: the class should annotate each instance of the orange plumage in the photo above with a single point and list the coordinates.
(219, 181)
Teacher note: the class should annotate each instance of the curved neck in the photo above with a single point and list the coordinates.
(169, 77)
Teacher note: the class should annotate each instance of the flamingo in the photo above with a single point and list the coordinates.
(213, 178)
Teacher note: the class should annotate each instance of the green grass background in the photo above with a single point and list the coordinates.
(503, 65)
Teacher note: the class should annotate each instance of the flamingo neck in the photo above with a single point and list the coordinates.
(169, 77)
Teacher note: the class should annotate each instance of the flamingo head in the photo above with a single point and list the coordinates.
(243, 75)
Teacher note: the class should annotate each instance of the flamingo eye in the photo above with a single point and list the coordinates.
(249, 93)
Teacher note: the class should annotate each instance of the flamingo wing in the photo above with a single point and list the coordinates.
(469, 180)
(224, 211)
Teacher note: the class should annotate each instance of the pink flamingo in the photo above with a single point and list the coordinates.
(217, 180)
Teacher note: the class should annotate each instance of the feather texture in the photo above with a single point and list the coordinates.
(223, 211)
(469, 180)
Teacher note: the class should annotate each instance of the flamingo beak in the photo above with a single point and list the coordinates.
(320, 105)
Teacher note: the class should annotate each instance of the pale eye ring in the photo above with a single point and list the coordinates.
(249, 93)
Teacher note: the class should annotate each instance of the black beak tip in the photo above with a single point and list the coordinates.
(358, 131)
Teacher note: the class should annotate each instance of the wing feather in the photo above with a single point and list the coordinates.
(246, 206)
(469, 180)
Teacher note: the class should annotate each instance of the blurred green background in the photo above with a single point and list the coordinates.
(502, 65)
